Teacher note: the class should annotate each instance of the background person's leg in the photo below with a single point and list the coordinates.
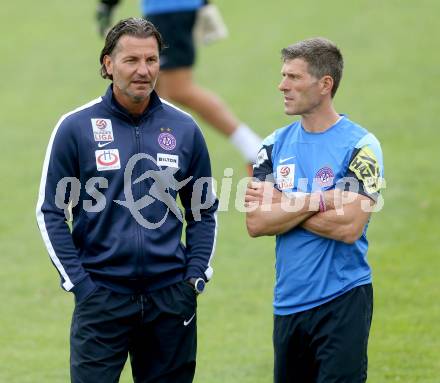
(177, 85)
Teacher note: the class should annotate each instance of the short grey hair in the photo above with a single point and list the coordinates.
(322, 56)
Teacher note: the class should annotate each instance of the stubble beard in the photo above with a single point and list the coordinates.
(139, 98)
(300, 110)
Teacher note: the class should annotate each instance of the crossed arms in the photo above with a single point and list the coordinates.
(271, 212)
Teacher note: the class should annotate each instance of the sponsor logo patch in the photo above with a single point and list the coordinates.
(102, 129)
(325, 176)
(107, 159)
(166, 141)
(285, 176)
(170, 160)
(366, 168)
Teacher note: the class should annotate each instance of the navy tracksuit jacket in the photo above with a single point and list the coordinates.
(126, 234)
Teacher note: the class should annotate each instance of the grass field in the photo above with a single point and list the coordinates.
(49, 65)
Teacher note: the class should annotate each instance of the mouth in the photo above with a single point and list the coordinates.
(140, 82)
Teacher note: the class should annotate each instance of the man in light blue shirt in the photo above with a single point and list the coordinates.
(323, 174)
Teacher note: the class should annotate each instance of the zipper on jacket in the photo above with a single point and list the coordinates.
(139, 195)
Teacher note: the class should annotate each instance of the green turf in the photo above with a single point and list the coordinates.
(49, 54)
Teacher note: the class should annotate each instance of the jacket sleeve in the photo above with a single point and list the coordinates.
(200, 204)
(55, 192)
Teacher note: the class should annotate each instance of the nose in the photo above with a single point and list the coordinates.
(143, 68)
(282, 85)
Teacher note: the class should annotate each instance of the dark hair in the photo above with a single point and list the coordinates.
(322, 56)
(133, 26)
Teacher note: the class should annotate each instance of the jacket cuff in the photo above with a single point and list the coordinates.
(194, 272)
(84, 288)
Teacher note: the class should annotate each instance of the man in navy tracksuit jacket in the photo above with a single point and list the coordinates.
(115, 167)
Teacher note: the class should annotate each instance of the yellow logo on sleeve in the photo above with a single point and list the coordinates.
(366, 167)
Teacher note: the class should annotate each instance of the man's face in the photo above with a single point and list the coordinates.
(302, 91)
(134, 65)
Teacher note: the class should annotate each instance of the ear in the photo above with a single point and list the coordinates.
(326, 84)
(108, 63)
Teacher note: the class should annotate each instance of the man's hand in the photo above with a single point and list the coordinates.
(271, 212)
(261, 193)
(333, 199)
